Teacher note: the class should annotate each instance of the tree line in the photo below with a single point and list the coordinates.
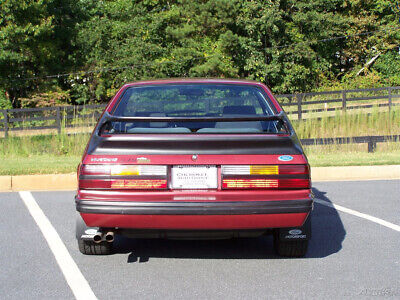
(55, 52)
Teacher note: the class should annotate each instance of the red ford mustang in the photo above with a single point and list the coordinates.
(195, 158)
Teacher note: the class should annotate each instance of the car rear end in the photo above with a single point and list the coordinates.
(194, 159)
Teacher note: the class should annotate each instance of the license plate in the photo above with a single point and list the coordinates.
(194, 177)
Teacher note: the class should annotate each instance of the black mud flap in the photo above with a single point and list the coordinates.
(296, 233)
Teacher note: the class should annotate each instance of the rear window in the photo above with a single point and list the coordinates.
(194, 101)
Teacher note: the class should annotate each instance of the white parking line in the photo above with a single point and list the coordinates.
(78, 284)
(359, 214)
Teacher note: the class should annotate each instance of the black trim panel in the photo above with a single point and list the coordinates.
(194, 208)
(193, 144)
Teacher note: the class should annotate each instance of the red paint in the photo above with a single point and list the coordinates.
(195, 221)
(298, 165)
(194, 195)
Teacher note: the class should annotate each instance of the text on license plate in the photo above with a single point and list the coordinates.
(194, 177)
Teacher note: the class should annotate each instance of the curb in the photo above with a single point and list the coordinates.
(51, 182)
(65, 182)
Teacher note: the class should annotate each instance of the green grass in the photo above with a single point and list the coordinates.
(39, 164)
(354, 159)
(353, 155)
(48, 154)
(52, 144)
(42, 154)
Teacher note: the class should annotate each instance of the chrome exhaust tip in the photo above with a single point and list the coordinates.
(98, 237)
(109, 236)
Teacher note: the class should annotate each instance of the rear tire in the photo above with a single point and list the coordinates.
(290, 248)
(91, 248)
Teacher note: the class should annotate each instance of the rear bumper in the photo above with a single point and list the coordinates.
(195, 222)
(194, 208)
(195, 215)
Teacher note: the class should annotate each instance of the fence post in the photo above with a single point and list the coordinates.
(58, 120)
(5, 114)
(371, 145)
(390, 98)
(299, 99)
(344, 97)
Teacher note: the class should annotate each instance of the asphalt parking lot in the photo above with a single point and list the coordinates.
(349, 256)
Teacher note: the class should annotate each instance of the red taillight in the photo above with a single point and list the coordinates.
(144, 177)
(138, 177)
(265, 177)
(249, 183)
(140, 184)
(293, 169)
(264, 169)
(94, 183)
(294, 183)
(95, 170)
(238, 183)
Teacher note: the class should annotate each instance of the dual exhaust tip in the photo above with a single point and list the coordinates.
(99, 237)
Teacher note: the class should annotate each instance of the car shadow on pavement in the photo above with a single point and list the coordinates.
(328, 231)
(328, 234)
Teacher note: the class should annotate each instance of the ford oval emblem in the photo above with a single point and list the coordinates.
(285, 158)
(295, 231)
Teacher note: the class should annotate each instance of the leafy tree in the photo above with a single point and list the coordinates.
(36, 39)
(287, 44)
(216, 38)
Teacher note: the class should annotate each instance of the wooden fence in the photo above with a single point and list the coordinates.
(61, 117)
(386, 95)
(370, 140)
(79, 116)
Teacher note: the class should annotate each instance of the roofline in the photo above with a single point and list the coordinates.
(194, 80)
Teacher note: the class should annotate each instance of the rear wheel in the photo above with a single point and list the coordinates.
(89, 247)
(92, 248)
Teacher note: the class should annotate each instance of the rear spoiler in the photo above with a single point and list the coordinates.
(136, 144)
(107, 118)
